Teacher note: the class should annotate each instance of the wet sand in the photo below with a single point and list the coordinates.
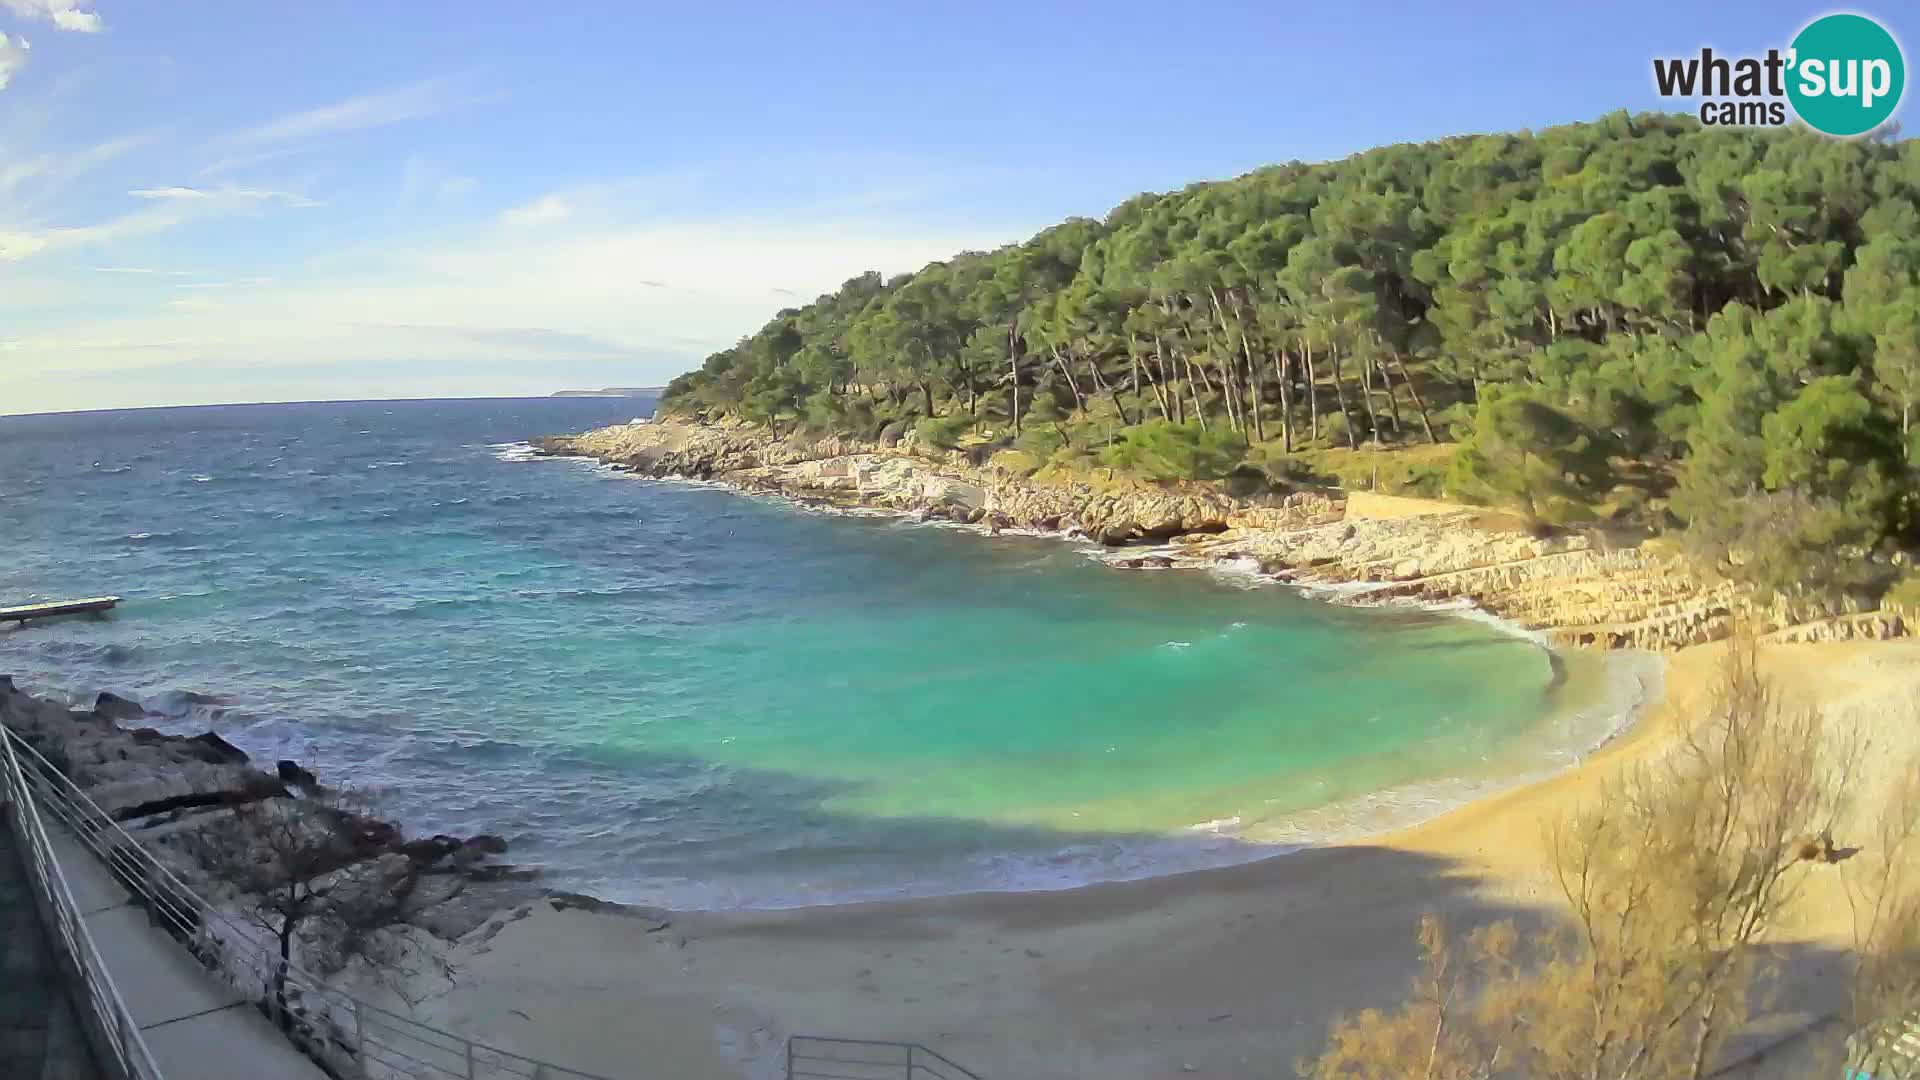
(1232, 972)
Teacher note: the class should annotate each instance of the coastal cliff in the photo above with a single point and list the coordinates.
(1574, 589)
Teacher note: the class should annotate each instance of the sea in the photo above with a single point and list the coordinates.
(668, 693)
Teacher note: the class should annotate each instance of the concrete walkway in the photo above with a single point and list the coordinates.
(198, 1027)
(40, 1034)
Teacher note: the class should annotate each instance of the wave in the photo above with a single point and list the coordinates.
(514, 451)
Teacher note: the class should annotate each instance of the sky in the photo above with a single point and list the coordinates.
(228, 200)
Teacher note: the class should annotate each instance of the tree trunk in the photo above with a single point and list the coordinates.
(1313, 393)
(1191, 366)
(280, 975)
(1414, 393)
(1100, 383)
(1013, 382)
(1286, 402)
(1366, 397)
(1193, 391)
(1254, 388)
(1253, 376)
(1079, 402)
(1340, 392)
(1173, 386)
(1229, 387)
(1159, 393)
(1393, 403)
(1703, 1038)
(1223, 356)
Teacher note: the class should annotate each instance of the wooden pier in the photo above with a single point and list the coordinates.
(58, 607)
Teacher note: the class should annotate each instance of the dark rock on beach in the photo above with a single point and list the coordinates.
(111, 706)
(215, 750)
(166, 789)
(291, 773)
(486, 844)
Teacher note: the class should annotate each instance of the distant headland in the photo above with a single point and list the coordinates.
(611, 392)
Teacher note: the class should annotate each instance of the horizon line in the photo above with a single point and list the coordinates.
(557, 395)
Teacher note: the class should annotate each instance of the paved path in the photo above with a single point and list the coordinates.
(183, 1009)
(40, 1034)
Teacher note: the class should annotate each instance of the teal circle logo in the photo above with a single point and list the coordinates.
(1846, 74)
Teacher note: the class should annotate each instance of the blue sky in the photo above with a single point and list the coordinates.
(228, 201)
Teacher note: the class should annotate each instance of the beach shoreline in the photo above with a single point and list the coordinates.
(1233, 971)
(1356, 819)
(1189, 972)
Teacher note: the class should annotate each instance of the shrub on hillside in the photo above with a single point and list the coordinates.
(1164, 451)
(944, 432)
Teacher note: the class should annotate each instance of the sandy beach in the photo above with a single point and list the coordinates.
(1231, 972)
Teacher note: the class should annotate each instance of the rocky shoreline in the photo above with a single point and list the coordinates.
(168, 790)
(1354, 547)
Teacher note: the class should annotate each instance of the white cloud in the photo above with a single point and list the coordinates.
(236, 195)
(229, 162)
(414, 101)
(13, 57)
(168, 193)
(237, 283)
(633, 272)
(15, 246)
(30, 182)
(168, 207)
(546, 210)
(675, 290)
(22, 244)
(63, 14)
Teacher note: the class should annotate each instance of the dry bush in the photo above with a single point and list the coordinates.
(319, 877)
(1884, 898)
(1676, 880)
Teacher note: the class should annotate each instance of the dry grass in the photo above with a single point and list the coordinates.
(1676, 882)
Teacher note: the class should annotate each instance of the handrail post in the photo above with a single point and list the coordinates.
(224, 947)
(111, 1027)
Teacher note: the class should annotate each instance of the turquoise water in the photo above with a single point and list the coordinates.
(669, 693)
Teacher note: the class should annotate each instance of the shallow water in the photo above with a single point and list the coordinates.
(668, 693)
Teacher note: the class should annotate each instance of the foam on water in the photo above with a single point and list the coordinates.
(663, 693)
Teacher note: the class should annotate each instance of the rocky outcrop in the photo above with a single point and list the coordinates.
(1574, 590)
(167, 789)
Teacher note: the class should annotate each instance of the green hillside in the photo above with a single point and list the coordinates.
(1672, 327)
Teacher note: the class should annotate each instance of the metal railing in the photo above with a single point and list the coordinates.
(817, 1057)
(345, 1034)
(116, 1036)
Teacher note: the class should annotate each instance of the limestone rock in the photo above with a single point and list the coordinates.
(1422, 551)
